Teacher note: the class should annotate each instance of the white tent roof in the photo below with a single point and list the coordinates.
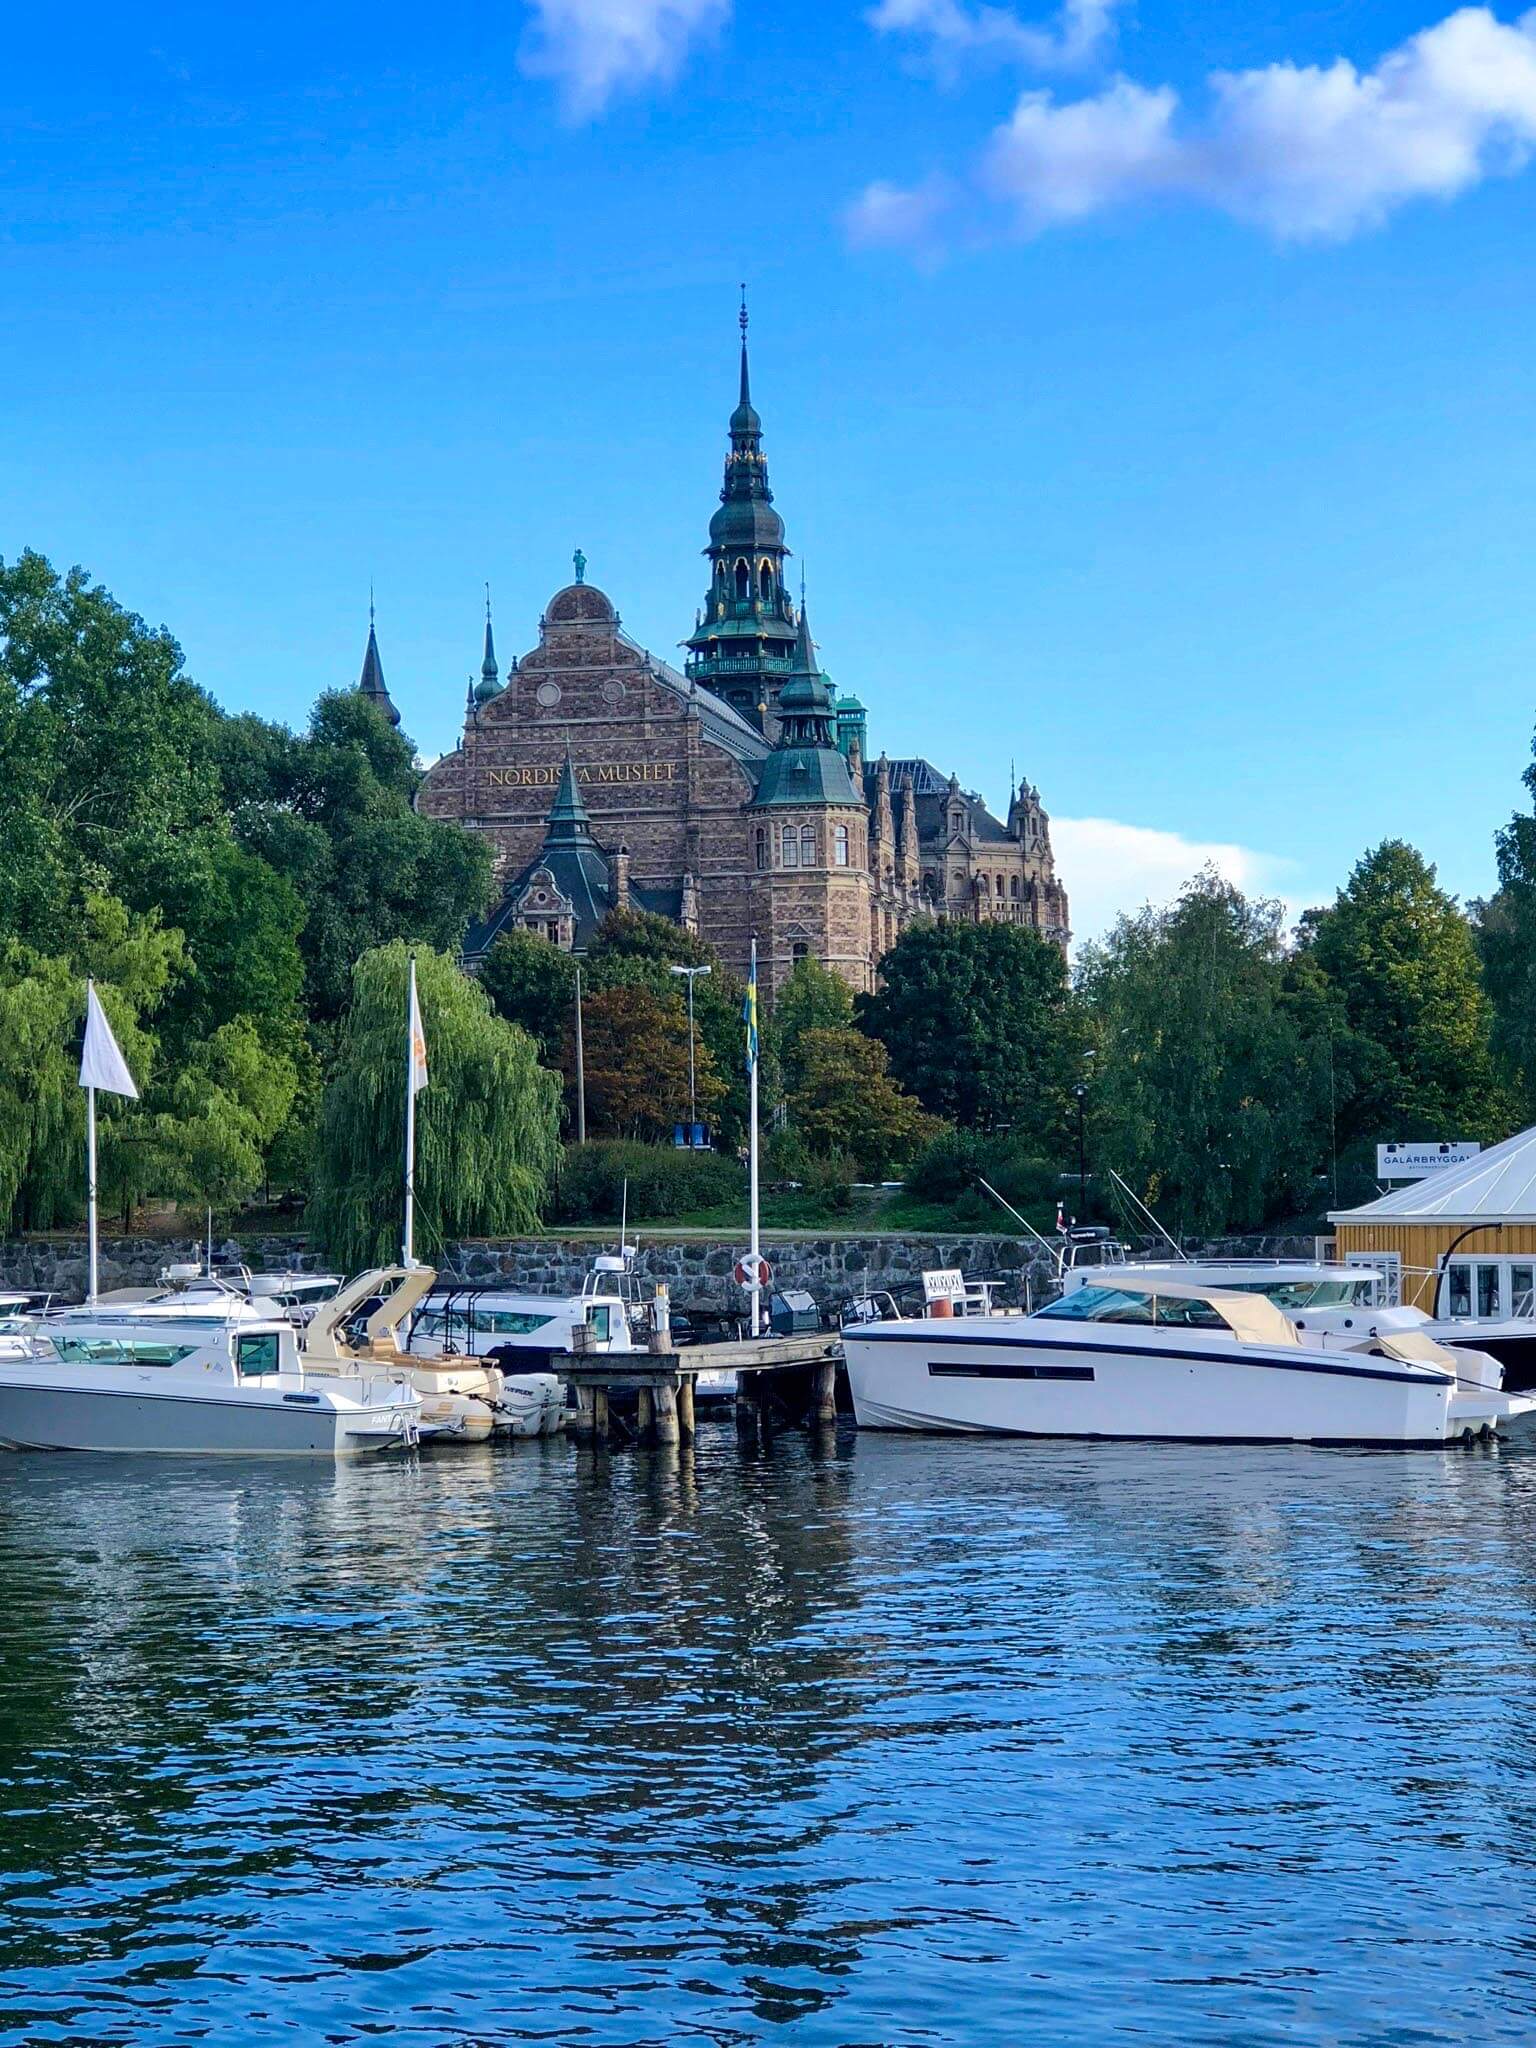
(1498, 1186)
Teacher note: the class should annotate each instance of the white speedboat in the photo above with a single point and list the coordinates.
(117, 1379)
(1144, 1358)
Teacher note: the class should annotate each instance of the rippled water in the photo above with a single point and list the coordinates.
(904, 1742)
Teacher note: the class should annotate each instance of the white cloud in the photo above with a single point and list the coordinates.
(1303, 150)
(1109, 867)
(1055, 162)
(901, 216)
(598, 50)
(1074, 36)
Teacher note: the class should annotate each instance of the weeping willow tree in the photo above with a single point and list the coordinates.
(487, 1123)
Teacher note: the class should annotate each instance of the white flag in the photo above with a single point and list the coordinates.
(418, 1041)
(101, 1061)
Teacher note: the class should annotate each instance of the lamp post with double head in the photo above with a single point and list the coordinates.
(691, 974)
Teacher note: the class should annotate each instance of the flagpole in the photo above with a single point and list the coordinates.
(410, 1120)
(90, 1181)
(754, 1252)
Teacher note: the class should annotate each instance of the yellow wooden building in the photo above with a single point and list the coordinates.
(1460, 1243)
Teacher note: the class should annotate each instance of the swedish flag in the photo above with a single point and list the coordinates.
(749, 1014)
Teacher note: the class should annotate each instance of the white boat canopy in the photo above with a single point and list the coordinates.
(1498, 1186)
(1252, 1318)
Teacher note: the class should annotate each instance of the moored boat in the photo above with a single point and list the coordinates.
(1142, 1358)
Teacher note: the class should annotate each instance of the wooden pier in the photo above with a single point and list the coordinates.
(648, 1396)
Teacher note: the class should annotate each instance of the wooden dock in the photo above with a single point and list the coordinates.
(648, 1396)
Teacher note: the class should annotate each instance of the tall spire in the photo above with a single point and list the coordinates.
(370, 683)
(746, 385)
(489, 685)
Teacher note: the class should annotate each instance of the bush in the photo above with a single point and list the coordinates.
(951, 1169)
(664, 1181)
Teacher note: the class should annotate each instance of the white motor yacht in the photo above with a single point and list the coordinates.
(1136, 1357)
(118, 1378)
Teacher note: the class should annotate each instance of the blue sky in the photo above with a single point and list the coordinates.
(1147, 391)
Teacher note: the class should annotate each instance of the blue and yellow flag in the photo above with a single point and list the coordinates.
(749, 1014)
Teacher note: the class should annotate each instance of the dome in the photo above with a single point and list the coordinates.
(580, 604)
(747, 523)
(487, 688)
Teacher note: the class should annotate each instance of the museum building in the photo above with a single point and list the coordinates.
(735, 795)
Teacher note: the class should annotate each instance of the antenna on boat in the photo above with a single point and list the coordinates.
(1045, 1243)
(210, 1241)
(1135, 1199)
(624, 1217)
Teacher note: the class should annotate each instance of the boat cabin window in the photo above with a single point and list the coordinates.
(1120, 1305)
(118, 1350)
(600, 1322)
(1522, 1287)
(257, 1356)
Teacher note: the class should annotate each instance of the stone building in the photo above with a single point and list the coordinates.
(733, 795)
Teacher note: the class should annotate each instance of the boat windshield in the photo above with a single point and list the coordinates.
(1121, 1305)
(1305, 1293)
(117, 1350)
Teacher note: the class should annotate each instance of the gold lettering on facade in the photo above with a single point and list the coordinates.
(546, 775)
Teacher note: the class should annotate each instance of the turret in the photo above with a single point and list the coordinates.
(370, 683)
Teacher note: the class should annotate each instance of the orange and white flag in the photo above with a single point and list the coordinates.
(418, 1040)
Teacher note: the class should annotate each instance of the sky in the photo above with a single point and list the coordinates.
(1147, 390)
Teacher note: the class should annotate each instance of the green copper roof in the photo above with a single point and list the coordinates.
(569, 824)
(371, 682)
(805, 767)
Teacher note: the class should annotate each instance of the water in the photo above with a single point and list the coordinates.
(909, 1742)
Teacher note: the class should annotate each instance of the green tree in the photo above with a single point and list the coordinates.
(636, 948)
(635, 1047)
(487, 1125)
(1207, 1095)
(1414, 1045)
(1507, 943)
(812, 998)
(981, 1027)
(847, 1102)
(533, 983)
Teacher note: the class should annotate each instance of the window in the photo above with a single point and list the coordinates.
(789, 847)
(1522, 1287)
(509, 1322)
(765, 583)
(600, 1323)
(761, 846)
(807, 847)
(840, 846)
(118, 1351)
(1101, 1305)
(798, 950)
(257, 1357)
(1013, 888)
(1487, 1290)
(1459, 1293)
(743, 582)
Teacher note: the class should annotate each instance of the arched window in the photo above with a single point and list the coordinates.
(1013, 888)
(762, 846)
(807, 847)
(765, 582)
(840, 845)
(1000, 890)
(789, 847)
(743, 582)
(798, 950)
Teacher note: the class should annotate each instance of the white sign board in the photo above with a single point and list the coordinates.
(945, 1283)
(1419, 1161)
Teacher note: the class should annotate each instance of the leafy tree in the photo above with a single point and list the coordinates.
(331, 812)
(1413, 1051)
(487, 1125)
(846, 1101)
(636, 948)
(812, 998)
(533, 983)
(1507, 942)
(635, 1047)
(1207, 1096)
(981, 1026)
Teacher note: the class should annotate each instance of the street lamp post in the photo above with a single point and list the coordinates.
(581, 1072)
(1081, 1092)
(690, 974)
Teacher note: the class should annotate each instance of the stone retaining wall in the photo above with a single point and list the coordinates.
(698, 1272)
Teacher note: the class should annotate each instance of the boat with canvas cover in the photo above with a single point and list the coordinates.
(464, 1399)
(1174, 1360)
(117, 1379)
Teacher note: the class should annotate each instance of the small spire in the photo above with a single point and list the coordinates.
(746, 393)
(371, 683)
(568, 822)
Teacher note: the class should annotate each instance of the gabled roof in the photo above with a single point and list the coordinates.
(1498, 1186)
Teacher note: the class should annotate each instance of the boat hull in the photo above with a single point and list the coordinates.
(74, 1418)
(941, 1376)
